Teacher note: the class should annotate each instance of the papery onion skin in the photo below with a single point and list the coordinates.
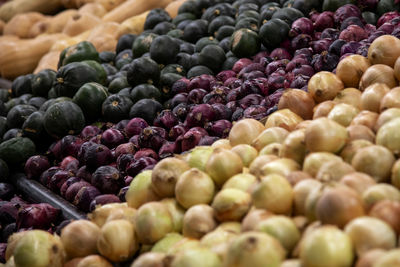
(283, 118)
(218, 241)
(94, 261)
(241, 181)
(390, 258)
(372, 96)
(323, 109)
(389, 212)
(300, 193)
(324, 86)
(271, 149)
(253, 217)
(358, 181)
(100, 215)
(244, 131)
(198, 221)
(365, 117)
(379, 192)
(386, 116)
(391, 99)
(369, 258)
(246, 152)
(351, 96)
(231, 204)
(343, 113)
(140, 190)
(314, 161)
(268, 136)
(196, 257)
(150, 259)
(282, 166)
(297, 176)
(351, 68)
(397, 69)
(351, 148)
(378, 73)
(176, 212)
(333, 171)
(255, 166)
(389, 137)
(298, 101)
(384, 50)
(357, 132)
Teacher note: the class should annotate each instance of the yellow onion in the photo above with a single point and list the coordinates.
(324, 86)
(222, 143)
(302, 125)
(39, 248)
(254, 249)
(397, 69)
(12, 243)
(389, 212)
(351, 68)
(141, 190)
(366, 118)
(164, 244)
(149, 259)
(194, 187)
(283, 118)
(184, 244)
(301, 222)
(390, 258)
(282, 228)
(117, 240)
(291, 263)
(372, 96)
(253, 217)
(369, 258)
(343, 113)
(379, 192)
(94, 261)
(198, 157)
(153, 222)
(350, 96)
(198, 221)
(388, 136)
(297, 176)
(255, 166)
(122, 213)
(298, 101)
(326, 244)
(245, 131)
(272, 149)
(384, 50)
(333, 171)
(350, 149)
(273, 193)
(165, 174)
(72, 263)
(241, 181)
(357, 181)
(294, 146)
(176, 212)
(196, 257)
(282, 166)
(378, 73)
(370, 233)
(310, 204)
(222, 165)
(374, 160)
(338, 206)
(246, 152)
(391, 99)
(386, 116)
(231, 204)
(268, 136)
(323, 109)
(218, 241)
(307, 230)
(325, 135)
(231, 226)
(357, 132)
(395, 177)
(314, 161)
(79, 238)
(100, 215)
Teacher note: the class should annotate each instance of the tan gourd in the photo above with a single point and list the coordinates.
(21, 24)
(135, 24)
(80, 23)
(48, 61)
(10, 9)
(132, 8)
(105, 36)
(40, 27)
(67, 41)
(108, 4)
(2, 24)
(173, 7)
(95, 9)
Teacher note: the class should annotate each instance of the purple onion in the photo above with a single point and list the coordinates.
(135, 126)
(345, 11)
(85, 196)
(250, 68)
(336, 46)
(324, 20)
(259, 56)
(219, 128)
(70, 181)
(249, 100)
(321, 45)
(191, 139)
(301, 41)
(121, 125)
(58, 179)
(167, 150)
(136, 166)
(123, 160)
(3, 248)
(69, 163)
(255, 86)
(166, 119)
(275, 82)
(73, 189)
(203, 81)
(306, 70)
(55, 149)
(94, 155)
(6, 191)
(107, 179)
(299, 81)
(237, 115)
(369, 28)
(37, 216)
(70, 145)
(301, 26)
(135, 141)
(84, 174)
(128, 179)
(146, 152)
(96, 139)
(280, 53)
(375, 35)
(253, 75)
(200, 115)
(178, 99)
(351, 21)
(307, 52)
(240, 64)
(180, 86)
(387, 17)
(208, 140)
(296, 63)
(255, 112)
(18, 200)
(127, 148)
(181, 111)
(7, 231)
(363, 50)
(47, 174)
(176, 131)
(386, 27)
(273, 66)
(353, 33)
(102, 200)
(325, 62)
(314, 15)
(35, 165)
(152, 137)
(225, 75)
(9, 211)
(112, 138)
(234, 94)
(122, 193)
(329, 33)
(233, 82)
(217, 95)
(396, 32)
(222, 112)
(89, 131)
(349, 48)
(266, 60)
(195, 96)
(273, 99)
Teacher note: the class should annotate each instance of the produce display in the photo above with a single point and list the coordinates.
(208, 133)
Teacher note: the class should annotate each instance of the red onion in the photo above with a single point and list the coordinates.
(299, 81)
(195, 96)
(301, 41)
(219, 128)
(35, 165)
(325, 62)
(351, 21)
(85, 196)
(166, 119)
(122, 193)
(346, 11)
(123, 161)
(67, 184)
(180, 86)
(251, 99)
(38, 216)
(191, 138)
(387, 17)
(349, 48)
(301, 26)
(94, 155)
(112, 138)
(176, 131)
(146, 152)
(222, 112)
(135, 126)
(353, 33)
(178, 99)
(253, 75)
(259, 56)
(121, 125)
(296, 63)
(208, 140)
(225, 75)
(324, 20)
(107, 179)
(128, 179)
(306, 70)
(167, 150)
(102, 200)
(69, 163)
(250, 68)
(84, 174)
(152, 137)
(69, 145)
(336, 46)
(375, 35)
(214, 97)
(8, 212)
(240, 64)
(275, 65)
(58, 179)
(199, 115)
(73, 189)
(275, 81)
(126, 148)
(136, 166)
(6, 191)
(47, 174)
(280, 53)
(255, 112)
(203, 81)
(330, 33)
(89, 131)
(387, 27)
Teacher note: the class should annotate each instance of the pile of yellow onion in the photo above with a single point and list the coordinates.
(317, 185)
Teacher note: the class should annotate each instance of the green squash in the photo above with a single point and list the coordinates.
(116, 108)
(144, 91)
(4, 171)
(273, 32)
(118, 84)
(198, 70)
(166, 82)
(386, 6)
(218, 22)
(288, 14)
(245, 43)
(182, 17)
(142, 44)
(78, 52)
(212, 56)
(143, 70)
(332, 5)
(21, 85)
(64, 118)
(204, 41)
(89, 98)
(42, 82)
(5, 95)
(17, 150)
(173, 68)
(18, 114)
(33, 126)
(164, 49)
(101, 72)
(3, 127)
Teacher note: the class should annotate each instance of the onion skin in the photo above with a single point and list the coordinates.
(365, 117)
(325, 135)
(196, 257)
(100, 215)
(388, 136)
(218, 241)
(140, 190)
(390, 258)
(391, 99)
(282, 166)
(149, 259)
(246, 152)
(358, 181)
(397, 69)
(369, 258)
(198, 157)
(372, 96)
(94, 261)
(389, 212)
(272, 149)
(255, 166)
(324, 86)
(395, 177)
(333, 171)
(198, 221)
(297, 176)
(384, 50)
(386, 116)
(351, 68)
(379, 192)
(241, 181)
(323, 109)
(245, 131)
(268, 136)
(253, 217)
(231, 204)
(314, 161)
(378, 73)
(300, 193)
(176, 212)
(351, 148)
(343, 114)
(351, 96)
(283, 118)
(370, 233)
(298, 101)
(360, 132)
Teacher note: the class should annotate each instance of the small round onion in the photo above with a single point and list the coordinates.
(391, 99)
(282, 166)
(300, 194)
(167, 242)
(241, 181)
(246, 152)
(351, 96)
(323, 109)
(357, 181)
(271, 149)
(324, 86)
(294, 146)
(122, 213)
(218, 241)
(140, 190)
(388, 136)
(314, 161)
(390, 258)
(176, 211)
(325, 135)
(79, 238)
(221, 143)
(378, 73)
(196, 257)
(297, 176)
(397, 69)
(291, 263)
(273, 193)
(198, 221)
(326, 244)
(231, 204)
(298, 101)
(370, 233)
(386, 116)
(198, 157)
(395, 177)
(150, 259)
(268, 136)
(245, 131)
(384, 50)
(351, 68)
(343, 113)
(255, 166)
(333, 171)
(350, 149)
(379, 192)
(253, 217)
(369, 258)
(365, 117)
(100, 215)
(184, 244)
(372, 96)
(283, 118)
(357, 132)
(94, 260)
(389, 212)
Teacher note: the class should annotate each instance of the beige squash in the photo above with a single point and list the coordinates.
(80, 23)
(20, 25)
(95, 9)
(173, 7)
(10, 9)
(48, 61)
